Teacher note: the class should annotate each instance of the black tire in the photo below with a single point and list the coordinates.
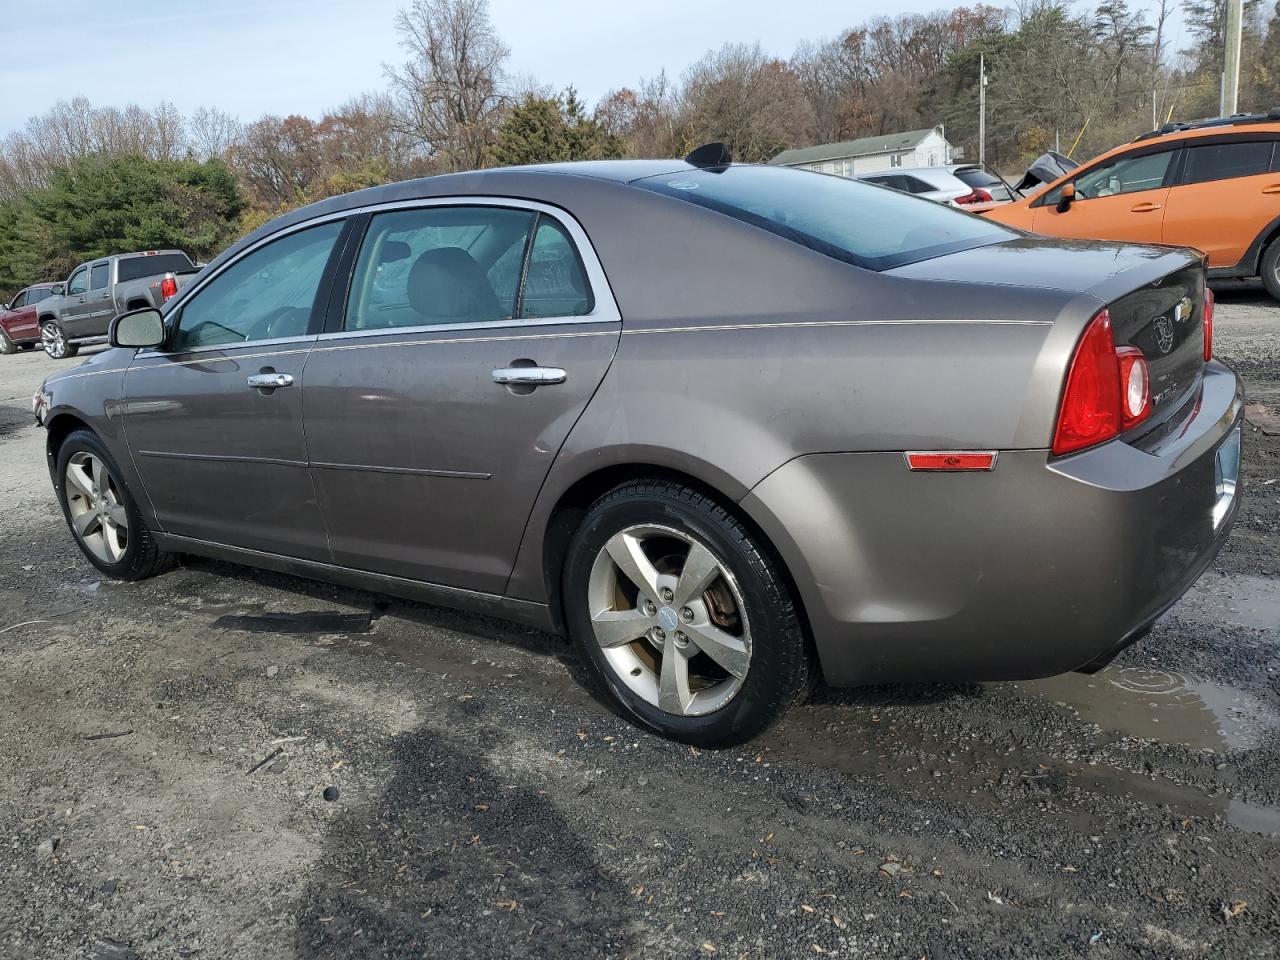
(7, 346)
(1269, 268)
(55, 341)
(781, 669)
(141, 557)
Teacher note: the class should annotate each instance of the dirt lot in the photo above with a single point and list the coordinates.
(177, 782)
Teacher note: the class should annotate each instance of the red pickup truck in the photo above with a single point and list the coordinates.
(18, 326)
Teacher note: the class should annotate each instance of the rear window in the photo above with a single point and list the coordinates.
(131, 268)
(36, 294)
(1220, 161)
(845, 219)
(977, 177)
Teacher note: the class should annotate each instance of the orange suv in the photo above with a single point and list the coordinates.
(1213, 185)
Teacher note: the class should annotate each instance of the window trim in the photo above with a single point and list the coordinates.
(604, 307)
(83, 268)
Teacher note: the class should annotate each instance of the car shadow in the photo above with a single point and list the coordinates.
(453, 860)
(1249, 293)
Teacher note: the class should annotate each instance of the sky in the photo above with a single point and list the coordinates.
(252, 57)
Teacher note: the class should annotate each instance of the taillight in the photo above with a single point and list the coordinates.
(1135, 387)
(1208, 324)
(977, 196)
(168, 288)
(1108, 390)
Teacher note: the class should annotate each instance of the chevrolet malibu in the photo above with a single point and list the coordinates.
(734, 429)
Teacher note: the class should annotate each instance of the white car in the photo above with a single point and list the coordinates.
(962, 185)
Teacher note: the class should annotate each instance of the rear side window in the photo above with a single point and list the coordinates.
(38, 294)
(555, 284)
(98, 277)
(132, 268)
(438, 265)
(1222, 161)
(916, 185)
(844, 219)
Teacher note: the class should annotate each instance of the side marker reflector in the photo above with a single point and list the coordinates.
(950, 460)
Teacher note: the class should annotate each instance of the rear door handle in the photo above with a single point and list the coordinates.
(270, 381)
(1273, 188)
(1146, 207)
(529, 376)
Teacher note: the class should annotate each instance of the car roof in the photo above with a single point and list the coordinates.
(42, 283)
(917, 171)
(1185, 133)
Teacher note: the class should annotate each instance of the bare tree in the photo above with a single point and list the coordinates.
(450, 90)
(212, 132)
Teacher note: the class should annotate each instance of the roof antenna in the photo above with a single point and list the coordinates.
(710, 155)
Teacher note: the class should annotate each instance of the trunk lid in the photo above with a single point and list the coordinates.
(1155, 296)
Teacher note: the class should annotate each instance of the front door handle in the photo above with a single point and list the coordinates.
(1146, 207)
(1273, 188)
(270, 380)
(529, 376)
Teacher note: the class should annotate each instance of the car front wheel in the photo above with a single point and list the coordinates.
(55, 342)
(102, 514)
(683, 615)
(7, 346)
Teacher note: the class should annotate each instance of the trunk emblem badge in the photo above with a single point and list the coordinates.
(1164, 334)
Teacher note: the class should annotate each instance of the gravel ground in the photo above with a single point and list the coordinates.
(177, 782)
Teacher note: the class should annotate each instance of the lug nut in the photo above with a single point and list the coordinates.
(681, 639)
(659, 634)
(649, 608)
(667, 595)
(686, 615)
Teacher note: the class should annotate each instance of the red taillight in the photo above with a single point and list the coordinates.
(1135, 387)
(1208, 324)
(168, 288)
(1090, 411)
(977, 196)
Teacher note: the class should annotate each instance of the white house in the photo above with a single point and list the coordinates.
(915, 148)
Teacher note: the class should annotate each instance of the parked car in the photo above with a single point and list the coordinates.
(18, 326)
(730, 426)
(99, 290)
(1212, 185)
(963, 185)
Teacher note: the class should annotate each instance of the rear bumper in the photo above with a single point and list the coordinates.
(1036, 568)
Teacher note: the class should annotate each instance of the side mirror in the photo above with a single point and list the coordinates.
(59, 289)
(138, 328)
(1067, 198)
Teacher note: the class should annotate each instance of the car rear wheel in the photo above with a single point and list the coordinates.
(102, 514)
(1270, 269)
(7, 346)
(684, 617)
(55, 342)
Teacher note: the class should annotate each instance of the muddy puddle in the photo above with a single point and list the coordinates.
(1241, 600)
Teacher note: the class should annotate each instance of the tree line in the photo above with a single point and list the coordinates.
(83, 180)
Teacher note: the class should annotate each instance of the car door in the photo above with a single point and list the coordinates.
(22, 322)
(214, 418)
(472, 338)
(94, 312)
(1120, 198)
(1225, 196)
(13, 316)
(75, 305)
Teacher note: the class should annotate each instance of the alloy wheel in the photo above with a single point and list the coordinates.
(670, 620)
(96, 507)
(55, 344)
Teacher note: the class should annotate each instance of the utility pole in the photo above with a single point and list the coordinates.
(982, 109)
(1231, 60)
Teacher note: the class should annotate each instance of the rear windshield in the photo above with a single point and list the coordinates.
(131, 268)
(977, 177)
(852, 221)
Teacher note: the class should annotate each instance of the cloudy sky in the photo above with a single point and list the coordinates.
(251, 57)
